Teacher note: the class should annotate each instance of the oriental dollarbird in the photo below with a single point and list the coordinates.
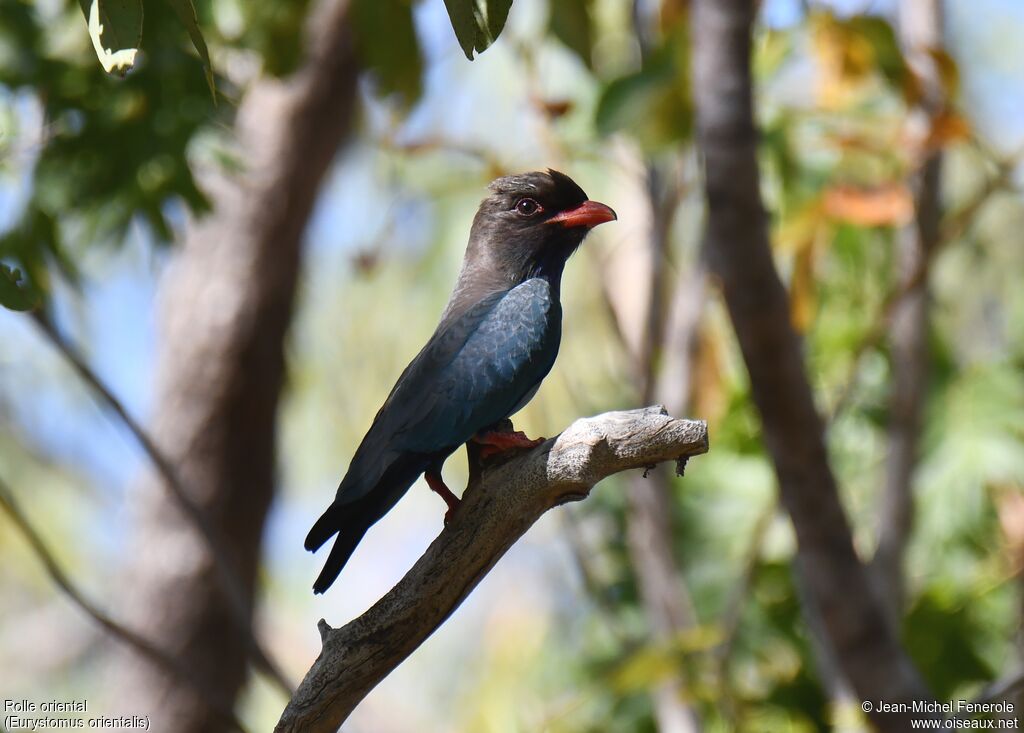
(497, 340)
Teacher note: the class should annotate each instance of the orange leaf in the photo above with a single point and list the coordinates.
(890, 204)
(554, 108)
(947, 127)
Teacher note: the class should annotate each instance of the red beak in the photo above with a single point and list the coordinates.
(588, 214)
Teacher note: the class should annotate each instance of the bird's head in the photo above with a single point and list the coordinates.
(530, 225)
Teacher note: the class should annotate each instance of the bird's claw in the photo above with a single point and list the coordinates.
(492, 443)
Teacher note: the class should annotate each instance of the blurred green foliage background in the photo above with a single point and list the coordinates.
(98, 176)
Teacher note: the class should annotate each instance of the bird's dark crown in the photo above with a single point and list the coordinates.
(553, 190)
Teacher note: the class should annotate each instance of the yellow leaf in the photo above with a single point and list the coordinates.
(803, 292)
(949, 72)
(845, 57)
(644, 669)
(796, 229)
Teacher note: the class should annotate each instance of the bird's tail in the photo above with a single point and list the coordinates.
(350, 524)
(325, 527)
(350, 520)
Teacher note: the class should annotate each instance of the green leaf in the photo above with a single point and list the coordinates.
(388, 48)
(885, 46)
(115, 27)
(941, 613)
(186, 12)
(275, 32)
(571, 24)
(653, 104)
(13, 293)
(477, 23)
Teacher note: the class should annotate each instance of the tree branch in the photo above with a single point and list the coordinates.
(140, 644)
(502, 501)
(230, 582)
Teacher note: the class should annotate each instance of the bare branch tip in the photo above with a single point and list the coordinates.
(325, 630)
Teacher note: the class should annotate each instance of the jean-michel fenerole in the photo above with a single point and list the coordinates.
(952, 707)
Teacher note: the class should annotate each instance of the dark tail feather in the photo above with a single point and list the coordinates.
(329, 523)
(349, 523)
(351, 520)
(343, 548)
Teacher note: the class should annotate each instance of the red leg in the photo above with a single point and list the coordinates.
(493, 443)
(437, 485)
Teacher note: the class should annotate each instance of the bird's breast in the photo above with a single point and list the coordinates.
(522, 336)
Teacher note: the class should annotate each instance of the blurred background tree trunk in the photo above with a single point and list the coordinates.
(663, 591)
(658, 323)
(838, 591)
(920, 26)
(227, 303)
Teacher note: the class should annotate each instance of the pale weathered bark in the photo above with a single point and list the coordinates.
(838, 589)
(502, 501)
(921, 32)
(226, 305)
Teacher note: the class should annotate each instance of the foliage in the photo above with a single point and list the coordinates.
(13, 294)
(396, 66)
(571, 22)
(558, 639)
(115, 27)
(186, 13)
(477, 23)
(652, 103)
(115, 149)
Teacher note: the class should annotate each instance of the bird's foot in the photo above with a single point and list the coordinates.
(495, 442)
(437, 485)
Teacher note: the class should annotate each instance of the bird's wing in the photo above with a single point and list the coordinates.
(473, 372)
(508, 353)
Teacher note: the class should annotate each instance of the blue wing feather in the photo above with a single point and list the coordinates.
(509, 352)
(476, 370)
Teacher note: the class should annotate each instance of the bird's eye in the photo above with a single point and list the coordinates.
(527, 207)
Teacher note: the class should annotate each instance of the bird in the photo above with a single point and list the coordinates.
(496, 341)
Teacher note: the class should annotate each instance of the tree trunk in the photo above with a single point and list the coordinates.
(226, 306)
(921, 30)
(839, 591)
(663, 591)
